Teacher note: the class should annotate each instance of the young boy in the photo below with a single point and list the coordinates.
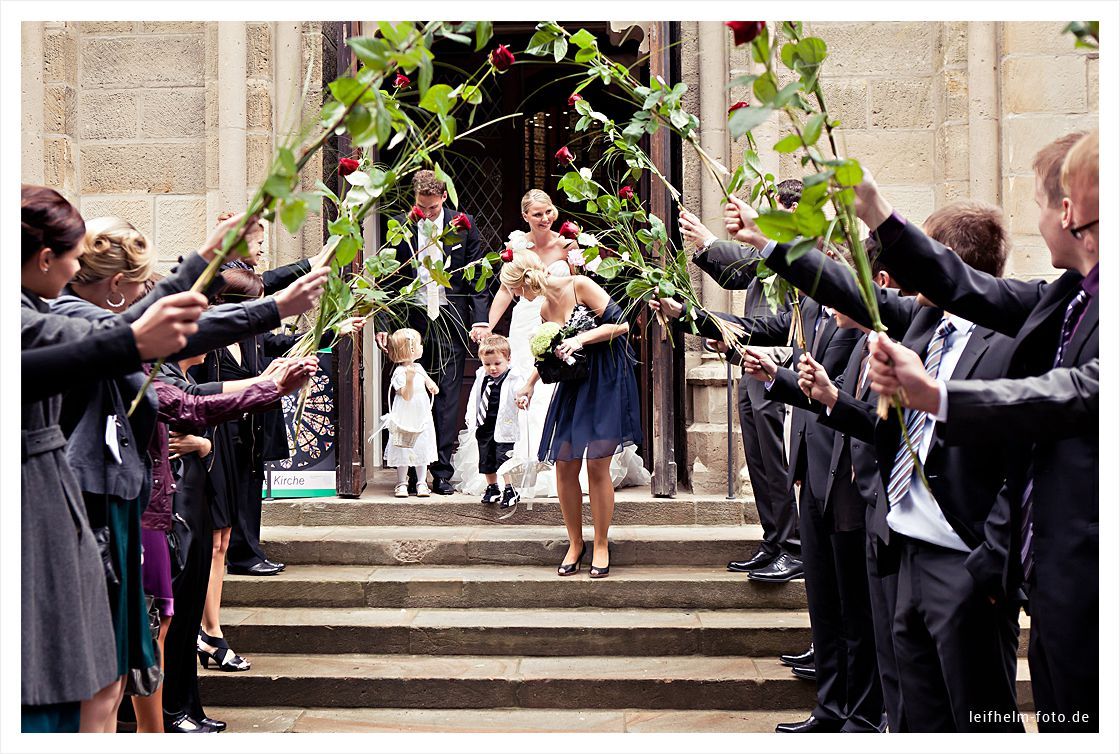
(492, 414)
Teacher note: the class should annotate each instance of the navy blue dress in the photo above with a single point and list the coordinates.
(599, 416)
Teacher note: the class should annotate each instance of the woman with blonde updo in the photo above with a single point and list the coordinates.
(553, 250)
(594, 418)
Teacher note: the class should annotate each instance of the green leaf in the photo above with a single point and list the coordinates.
(324, 190)
(849, 173)
(812, 50)
(442, 176)
(438, 99)
(679, 118)
(747, 119)
(395, 33)
(447, 130)
(816, 178)
(342, 227)
(789, 54)
(372, 51)
(778, 225)
(472, 95)
(346, 251)
(746, 80)
(584, 39)
(800, 249)
(609, 268)
(358, 121)
(285, 162)
(330, 113)
(812, 130)
(766, 88)
(425, 68)
(483, 31)
(637, 289)
(347, 90)
(738, 178)
(278, 186)
(788, 92)
(809, 221)
(790, 143)
(292, 214)
(559, 49)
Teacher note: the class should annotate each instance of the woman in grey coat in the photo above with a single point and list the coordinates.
(66, 634)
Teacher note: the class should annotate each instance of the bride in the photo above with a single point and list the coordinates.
(533, 478)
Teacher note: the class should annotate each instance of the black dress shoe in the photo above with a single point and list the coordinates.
(805, 674)
(803, 660)
(274, 564)
(442, 487)
(184, 723)
(760, 559)
(809, 725)
(784, 568)
(217, 726)
(257, 569)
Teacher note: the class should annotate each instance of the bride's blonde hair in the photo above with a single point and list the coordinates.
(525, 271)
(536, 196)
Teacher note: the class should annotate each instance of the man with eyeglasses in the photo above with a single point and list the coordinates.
(1051, 500)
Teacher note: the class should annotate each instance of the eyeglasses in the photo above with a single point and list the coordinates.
(1079, 231)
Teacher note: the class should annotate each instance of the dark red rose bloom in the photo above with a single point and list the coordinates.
(574, 99)
(738, 106)
(402, 81)
(416, 214)
(564, 156)
(626, 192)
(745, 31)
(461, 223)
(507, 254)
(346, 166)
(569, 230)
(501, 58)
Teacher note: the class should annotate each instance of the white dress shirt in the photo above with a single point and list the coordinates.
(426, 230)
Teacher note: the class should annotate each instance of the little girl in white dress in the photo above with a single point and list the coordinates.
(412, 431)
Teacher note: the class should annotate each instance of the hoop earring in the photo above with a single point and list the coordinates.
(117, 305)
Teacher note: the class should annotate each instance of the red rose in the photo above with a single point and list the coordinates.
(501, 58)
(507, 254)
(461, 223)
(569, 230)
(401, 81)
(416, 214)
(564, 156)
(574, 99)
(738, 106)
(626, 192)
(346, 166)
(745, 31)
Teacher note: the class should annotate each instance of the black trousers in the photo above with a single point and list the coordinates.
(1064, 674)
(245, 548)
(883, 589)
(836, 588)
(445, 353)
(180, 690)
(955, 649)
(762, 423)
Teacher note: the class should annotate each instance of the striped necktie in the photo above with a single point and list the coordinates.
(1026, 521)
(917, 421)
(484, 401)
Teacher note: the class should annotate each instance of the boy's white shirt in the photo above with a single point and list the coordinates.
(506, 427)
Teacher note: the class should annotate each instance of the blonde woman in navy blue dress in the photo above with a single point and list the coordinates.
(592, 418)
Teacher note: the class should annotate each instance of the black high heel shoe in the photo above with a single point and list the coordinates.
(217, 649)
(567, 569)
(597, 572)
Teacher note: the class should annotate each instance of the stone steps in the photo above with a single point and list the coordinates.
(473, 682)
(380, 508)
(710, 546)
(500, 720)
(475, 587)
(530, 633)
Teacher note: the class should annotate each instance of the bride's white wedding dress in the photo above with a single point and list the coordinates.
(531, 477)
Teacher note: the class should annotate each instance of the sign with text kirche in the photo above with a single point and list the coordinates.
(311, 470)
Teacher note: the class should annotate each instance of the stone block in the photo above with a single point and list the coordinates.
(180, 225)
(58, 169)
(954, 43)
(173, 113)
(902, 103)
(894, 49)
(59, 107)
(211, 51)
(1036, 37)
(164, 168)
(915, 203)
(258, 155)
(60, 56)
(1043, 84)
(156, 61)
(259, 50)
(1022, 212)
(106, 27)
(136, 209)
(847, 100)
(107, 113)
(1030, 259)
(258, 108)
(954, 95)
(1093, 84)
(952, 191)
(1023, 136)
(172, 27)
(894, 157)
(212, 160)
(952, 152)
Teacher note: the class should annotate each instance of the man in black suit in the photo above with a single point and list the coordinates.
(443, 316)
(761, 419)
(1052, 494)
(822, 553)
(954, 631)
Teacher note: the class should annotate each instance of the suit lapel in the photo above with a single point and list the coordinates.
(920, 333)
(973, 350)
(1054, 302)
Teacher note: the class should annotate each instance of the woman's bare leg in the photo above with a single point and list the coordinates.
(99, 712)
(149, 709)
(211, 611)
(600, 488)
(571, 505)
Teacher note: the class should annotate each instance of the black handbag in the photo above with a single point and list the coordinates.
(178, 542)
(552, 369)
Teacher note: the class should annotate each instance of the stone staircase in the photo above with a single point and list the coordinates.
(445, 615)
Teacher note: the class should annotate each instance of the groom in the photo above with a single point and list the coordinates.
(443, 316)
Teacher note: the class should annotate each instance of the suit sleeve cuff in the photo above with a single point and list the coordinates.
(768, 249)
(943, 402)
(891, 229)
